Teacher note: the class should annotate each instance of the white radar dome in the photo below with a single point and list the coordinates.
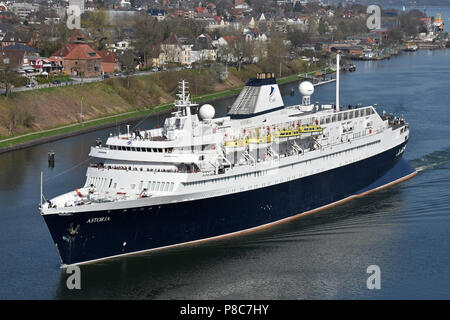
(306, 88)
(207, 112)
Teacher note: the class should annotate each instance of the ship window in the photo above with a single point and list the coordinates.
(133, 149)
(339, 116)
(166, 187)
(345, 116)
(140, 185)
(138, 149)
(110, 182)
(157, 186)
(350, 115)
(153, 186)
(128, 149)
(160, 150)
(149, 149)
(171, 187)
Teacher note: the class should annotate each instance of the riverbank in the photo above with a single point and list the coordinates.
(51, 134)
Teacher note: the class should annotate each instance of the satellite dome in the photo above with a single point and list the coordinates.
(207, 112)
(306, 88)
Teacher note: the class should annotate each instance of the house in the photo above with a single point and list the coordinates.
(23, 9)
(157, 13)
(17, 36)
(110, 62)
(252, 34)
(176, 49)
(82, 60)
(119, 46)
(20, 56)
(78, 59)
(4, 27)
(203, 50)
(16, 59)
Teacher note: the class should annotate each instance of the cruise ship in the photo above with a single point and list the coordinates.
(201, 177)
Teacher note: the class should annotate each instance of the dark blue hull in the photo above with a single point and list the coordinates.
(83, 237)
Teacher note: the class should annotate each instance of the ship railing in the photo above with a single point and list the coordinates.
(143, 169)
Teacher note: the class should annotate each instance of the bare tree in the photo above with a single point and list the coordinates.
(8, 75)
(148, 35)
(127, 60)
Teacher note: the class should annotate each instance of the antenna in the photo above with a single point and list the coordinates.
(338, 66)
(41, 189)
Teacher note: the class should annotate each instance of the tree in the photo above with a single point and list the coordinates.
(224, 53)
(298, 37)
(127, 60)
(277, 53)
(312, 23)
(148, 35)
(8, 75)
(323, 27)
(96, 22)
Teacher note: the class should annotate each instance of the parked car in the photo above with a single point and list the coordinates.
(30, 85)
(56, 81)
(117, 74)
(105, 76)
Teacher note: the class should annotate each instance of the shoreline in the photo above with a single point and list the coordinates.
(111, 121)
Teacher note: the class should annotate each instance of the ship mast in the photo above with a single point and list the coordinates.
(184, 104)
(338, 67)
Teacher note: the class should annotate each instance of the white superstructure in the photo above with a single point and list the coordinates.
(255, 146)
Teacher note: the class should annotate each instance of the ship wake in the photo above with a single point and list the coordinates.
(431, 161)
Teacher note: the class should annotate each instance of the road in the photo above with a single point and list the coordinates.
(77, 81)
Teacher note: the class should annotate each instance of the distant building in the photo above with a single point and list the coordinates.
(157, 13)
(17, 36)
(119, 46)
(23, 9)
(110, 62)
(20, 56)
(77, 58)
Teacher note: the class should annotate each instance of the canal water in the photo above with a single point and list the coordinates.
(404, 229)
